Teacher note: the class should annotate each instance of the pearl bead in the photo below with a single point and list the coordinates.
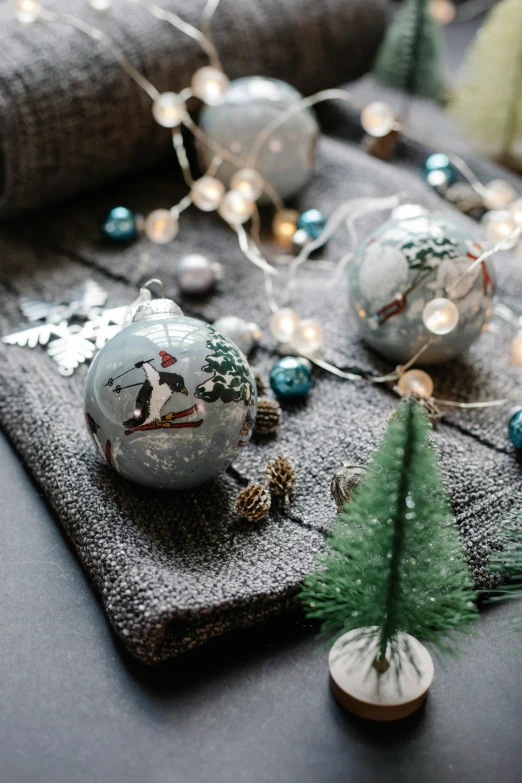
(100, 5)
(500, 194)
(313, 222)
(235, 208)
(248, 182)
(443, 11)
(283, 325)
(196, 274)
(209, 85)
(308, 337)
(516, 349)
(438, 179)
(516, 211)
(161, 226)
(291, 377)
(498, 224)
(436, 165)
(168, 110)
(120, 225)
(416, 381)
(378, 119)
(284, 225)
(440, 316)
(515, 429)
(245, 335)
(27, 11)
(207, 193)
(299, 240)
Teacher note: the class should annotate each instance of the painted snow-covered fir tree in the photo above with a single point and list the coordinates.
(411, 56)
(231, 377)
(394, 562)
(487, 102)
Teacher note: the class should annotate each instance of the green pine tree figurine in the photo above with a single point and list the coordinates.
(394, 564)
(487, 103)
(506, 562)
(411, 56)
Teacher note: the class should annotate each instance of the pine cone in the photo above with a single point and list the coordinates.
(344, 483)
(268, 416)
(281, 476)
(253, 502)
(261, 388)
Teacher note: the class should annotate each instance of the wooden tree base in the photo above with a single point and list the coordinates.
(384, 696)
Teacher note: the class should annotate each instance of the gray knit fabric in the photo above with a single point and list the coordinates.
(176, 569)
(71, 118)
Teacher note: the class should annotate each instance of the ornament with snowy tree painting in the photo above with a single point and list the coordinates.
(231, 377)
(400, 268)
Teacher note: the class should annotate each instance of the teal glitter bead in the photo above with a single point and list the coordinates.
(120, 225)
(515, 429)
(439, 162)
(312, 221)
(291, 377)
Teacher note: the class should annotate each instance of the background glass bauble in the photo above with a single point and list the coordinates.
(401, 267)
(170, 402)
(286, 159)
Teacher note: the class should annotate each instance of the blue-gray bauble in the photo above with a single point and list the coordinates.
(286, 159)
(170, 402)
(403, 265)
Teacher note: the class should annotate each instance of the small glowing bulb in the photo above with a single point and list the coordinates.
(27, 11)
(207, 193)
(516, 349)
(516, 211)
(210, 85)
(284, 225)
(248, 182)
(498, 224)
(308, 336)
(443, 11)
(235, 208)
(417, 382)
(168, 110)
(161, 226)
(408, 211)
(440, 316)
(500, 194)
(378, 119)
(283, 324)
(100, 5)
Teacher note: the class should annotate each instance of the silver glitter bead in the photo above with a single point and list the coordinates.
(196, 274)
(245, 335)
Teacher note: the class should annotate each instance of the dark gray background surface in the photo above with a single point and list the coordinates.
(252, 708)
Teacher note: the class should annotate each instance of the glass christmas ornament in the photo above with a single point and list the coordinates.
(207, 193)
(402, 267)
(209, 85)
(284, 225)
(27, 11)
(243, 333)
(120, 225)
(283, 324)
(515, 429)
(248, 182)
(169, 401)
(312, 221)
(291, 377)
(438, 162)
(378, 119)
(499, 224)
(285, 159)
(308, 337)
(235, 208)
(196, 274)
(169, 110)
(440, 316)
(500, 194)
(161, 226)
(417, 382)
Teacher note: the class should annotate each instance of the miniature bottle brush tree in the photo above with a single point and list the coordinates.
(393, 573)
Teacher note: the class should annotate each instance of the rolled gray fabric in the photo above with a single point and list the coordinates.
(72, 118)
(175, 569)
